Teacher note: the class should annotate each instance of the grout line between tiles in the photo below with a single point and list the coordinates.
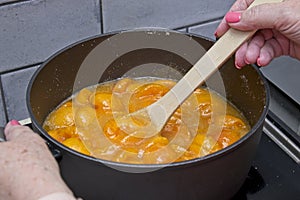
(12, 2)
(3, 100)
(199, 23)
(101, 17)
(20, 68)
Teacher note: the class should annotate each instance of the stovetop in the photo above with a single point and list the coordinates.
(275, 171)
(273, 175)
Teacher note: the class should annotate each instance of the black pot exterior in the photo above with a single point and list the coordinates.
(216, 176)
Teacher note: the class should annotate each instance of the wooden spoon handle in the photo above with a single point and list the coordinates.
(209, 63)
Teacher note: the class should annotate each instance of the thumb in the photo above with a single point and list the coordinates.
(13, 129)
(258, 17)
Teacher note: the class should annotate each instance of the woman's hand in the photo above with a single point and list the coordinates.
(28, 171)
(279, 30)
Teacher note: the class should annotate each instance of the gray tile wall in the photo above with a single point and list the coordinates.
(14, 91)
(32, 30)
(127, 14)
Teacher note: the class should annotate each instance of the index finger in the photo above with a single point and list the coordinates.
(239, 5)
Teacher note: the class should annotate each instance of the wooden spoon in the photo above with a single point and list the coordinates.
(159, 112)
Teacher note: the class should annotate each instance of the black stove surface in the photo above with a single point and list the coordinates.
(273, 175)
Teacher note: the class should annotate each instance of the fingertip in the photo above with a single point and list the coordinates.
(247, 62)
(9, 128)
(233, 17)
(221, 29)
(262, 62)
(240, 56)
(14, 122)
(258, 62)
(216, 34)
(237, 65)
(11, 123)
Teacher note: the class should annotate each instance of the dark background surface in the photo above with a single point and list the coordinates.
(273, 175)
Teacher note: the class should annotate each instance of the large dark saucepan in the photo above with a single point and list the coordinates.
(216, 176)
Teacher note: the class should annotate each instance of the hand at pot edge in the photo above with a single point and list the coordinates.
(28, 169)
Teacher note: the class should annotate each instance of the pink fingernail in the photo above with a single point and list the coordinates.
(237, 66)
(247, 62)
(233, 17)
(14, 122)
(258, 62)
(216, 34)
